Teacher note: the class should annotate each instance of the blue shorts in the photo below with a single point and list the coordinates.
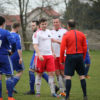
(87, 60)
(74, 63)
(6, 66)
(15, 60)
(32, 64)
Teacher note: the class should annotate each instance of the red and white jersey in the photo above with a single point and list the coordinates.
(43, 39)
(58, 36)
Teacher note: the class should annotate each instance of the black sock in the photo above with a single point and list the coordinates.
(68, 87)
(83, 85)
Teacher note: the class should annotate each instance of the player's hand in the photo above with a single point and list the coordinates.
(54, 55)
(41, 57)
(20, 61)
(10, 52)
(62, 63)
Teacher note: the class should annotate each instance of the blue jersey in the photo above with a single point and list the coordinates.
(87, 53)
(17, 39)
(6, 39)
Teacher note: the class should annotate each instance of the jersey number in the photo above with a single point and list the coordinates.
(0, 43)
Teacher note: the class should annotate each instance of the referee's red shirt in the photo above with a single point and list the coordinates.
(74, 42)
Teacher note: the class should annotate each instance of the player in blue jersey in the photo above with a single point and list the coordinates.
(87, 62)
(35, 27)
(5, 62)
(16, 58)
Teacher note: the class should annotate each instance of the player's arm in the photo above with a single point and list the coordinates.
(62, 49)
(11, 41)
(56, 41)
(35, 46)
(38, 52)
(53, 53)
(19, 49)
(84, 46)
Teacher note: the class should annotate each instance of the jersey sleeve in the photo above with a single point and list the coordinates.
(18, 43)
(11, 41)
(35, 38)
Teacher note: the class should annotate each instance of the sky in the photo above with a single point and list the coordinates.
(13, 9)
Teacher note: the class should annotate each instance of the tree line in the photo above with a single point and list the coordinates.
(87, 15)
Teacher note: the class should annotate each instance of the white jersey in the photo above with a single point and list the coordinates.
(43, 39)
(58, 36)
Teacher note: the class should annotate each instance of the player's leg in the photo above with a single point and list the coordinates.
(51, 83)
(83, 85)
(60, 80)
(87, 66)
(68, 72)
(31, 81)
(38, 84)
(50, 68)
(9, 86)
(81, 71)
(9, 78)
(17, 77)
(19, 68)
(45, 76)
(32, 76)
(58, 74)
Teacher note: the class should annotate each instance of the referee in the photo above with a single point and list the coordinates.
(74, 42)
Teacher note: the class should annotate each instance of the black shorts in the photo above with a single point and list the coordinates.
(74, 62)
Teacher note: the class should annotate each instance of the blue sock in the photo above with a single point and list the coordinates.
(45, 76)
(9, 85)
(87, 70)
(15, 79)
(32, 81)
(83, 85)
(68, 87)
(0, 89)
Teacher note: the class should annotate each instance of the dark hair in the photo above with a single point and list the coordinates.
(2, 20)
(42, 20)
(36, 21)
(15, 25)
(71, 23)
(56, 18)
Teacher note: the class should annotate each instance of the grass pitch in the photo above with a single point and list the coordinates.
(93, 84)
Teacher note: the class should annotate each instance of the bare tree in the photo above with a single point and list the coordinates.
(23, 7)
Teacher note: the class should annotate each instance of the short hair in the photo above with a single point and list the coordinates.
(36, 21)
(2, 20)
(42, 20)
(15, 25)
(71, 23)
(56, 18)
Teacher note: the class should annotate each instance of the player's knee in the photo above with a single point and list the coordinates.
(82, 77)
(51, 73)
(51, 80)
(68, 77)
(19, 73)
(62, 73)
(57, 73)
(8, 76)
(38, 80)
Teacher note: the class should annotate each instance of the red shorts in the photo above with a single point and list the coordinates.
(46, 65)
(58, 66)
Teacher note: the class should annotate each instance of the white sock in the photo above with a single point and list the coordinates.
(60, 83)
(52, 85)
(38, 84)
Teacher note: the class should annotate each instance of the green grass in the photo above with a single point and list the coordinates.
(93, 84)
